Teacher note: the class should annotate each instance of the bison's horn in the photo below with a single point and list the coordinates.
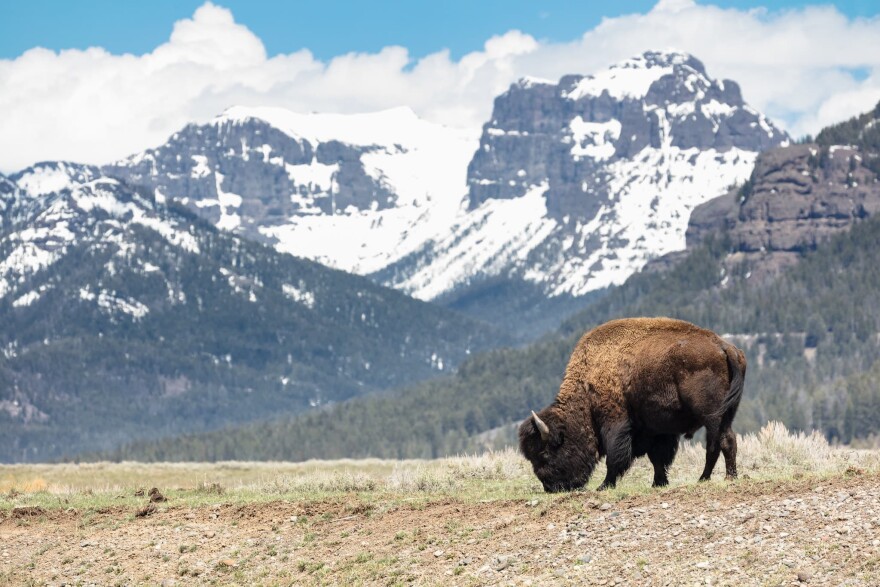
(542, 428)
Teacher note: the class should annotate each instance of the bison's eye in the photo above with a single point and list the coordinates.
(557, 440)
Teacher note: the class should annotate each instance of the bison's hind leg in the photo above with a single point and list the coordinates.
(618, 443)
(713, 449)
(728, 448)
(720, 437)
(661, 452)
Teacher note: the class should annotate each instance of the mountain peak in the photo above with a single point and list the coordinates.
(621, 158)
(666, 58)
(633, 77)
(53, 176)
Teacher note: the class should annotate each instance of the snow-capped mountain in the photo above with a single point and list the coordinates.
(355, 192)
(92, 214)
(62, 205)
(125, 317)
(52, 222)
(572, 187)
(577, 184)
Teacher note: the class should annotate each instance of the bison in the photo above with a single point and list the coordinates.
(632, 387)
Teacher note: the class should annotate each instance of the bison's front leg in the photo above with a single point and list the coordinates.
(662, 451)
(618, 453)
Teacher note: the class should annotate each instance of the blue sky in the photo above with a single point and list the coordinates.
(329, 28)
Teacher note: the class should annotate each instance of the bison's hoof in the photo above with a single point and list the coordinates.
(703, 479)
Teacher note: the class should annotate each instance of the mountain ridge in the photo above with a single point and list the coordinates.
(568, 190)
(129, 318)
(166, 275)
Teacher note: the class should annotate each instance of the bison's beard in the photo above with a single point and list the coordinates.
(564, 471)
(561, 486)
(560, 463)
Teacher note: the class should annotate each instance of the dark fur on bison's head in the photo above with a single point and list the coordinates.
(563, 457)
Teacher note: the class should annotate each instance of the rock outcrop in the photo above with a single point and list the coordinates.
(568, 133)
(796, 197)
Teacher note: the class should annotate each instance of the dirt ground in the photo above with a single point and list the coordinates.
(817, 531)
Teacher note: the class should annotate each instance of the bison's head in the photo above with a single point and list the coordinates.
(563, 454)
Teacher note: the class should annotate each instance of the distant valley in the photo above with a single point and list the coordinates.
(789, 273)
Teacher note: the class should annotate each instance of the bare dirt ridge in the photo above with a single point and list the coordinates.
(813, 530)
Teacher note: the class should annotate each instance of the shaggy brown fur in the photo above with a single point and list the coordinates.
(632, 388)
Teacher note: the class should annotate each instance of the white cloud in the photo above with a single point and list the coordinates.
(805, 68)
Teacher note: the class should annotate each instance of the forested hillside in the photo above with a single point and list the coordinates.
(124, 319)
(810, 336)
(859, 131)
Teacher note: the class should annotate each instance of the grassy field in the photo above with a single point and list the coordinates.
(771, 454)
(426, 522)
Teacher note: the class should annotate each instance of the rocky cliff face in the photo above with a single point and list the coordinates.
(208, 166)
(795, 198)
(8, 191)
(593, 176)
(567, 133)
(354, 192)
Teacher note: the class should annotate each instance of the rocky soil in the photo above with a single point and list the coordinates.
(813, 530)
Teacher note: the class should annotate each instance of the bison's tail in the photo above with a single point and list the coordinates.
(736, 369)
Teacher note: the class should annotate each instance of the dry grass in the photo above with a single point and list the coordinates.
(465, 520)
(320, 482)
(772, 453)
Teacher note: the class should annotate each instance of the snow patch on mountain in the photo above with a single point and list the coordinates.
(629, 79)
(299, 294)
(112, 304)
(201, 169)
(314, 176)
(26, 300)
(51, 177)
(229, 204)
(176, 235)
(485, 241)
(594, 139)
(84, 211)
